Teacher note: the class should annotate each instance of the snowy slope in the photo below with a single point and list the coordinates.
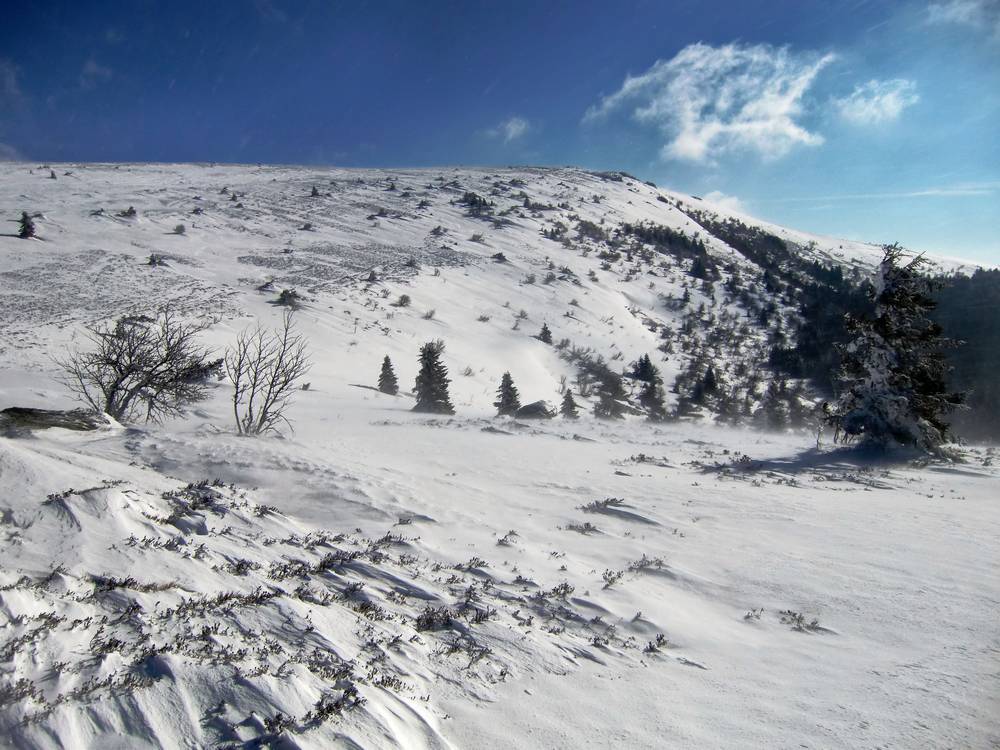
(357, 583)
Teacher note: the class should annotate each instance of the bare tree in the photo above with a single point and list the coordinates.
(140, 367)
(264, 367)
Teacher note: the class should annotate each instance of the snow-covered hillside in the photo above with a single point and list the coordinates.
(377, 578)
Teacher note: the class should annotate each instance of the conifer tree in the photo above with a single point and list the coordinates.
(651, 398)
(315, 192)
(508, 401)
(773, 412)
(27, 228)
(645, 370)
(387, 382)
(545, 335)
(432, 382)
(892, 381)
(610, 397)
(710, 383)
(568, 409)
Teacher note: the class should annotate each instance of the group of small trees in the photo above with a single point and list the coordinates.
(893, 375)
(431, 387)
(152, 368)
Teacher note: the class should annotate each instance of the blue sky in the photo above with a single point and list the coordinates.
(867, 119)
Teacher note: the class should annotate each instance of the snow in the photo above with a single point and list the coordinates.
(896, 561)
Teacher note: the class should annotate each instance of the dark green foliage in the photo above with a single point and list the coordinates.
(969, 309)
(545, 335)
(27, 227)
(645, 370)
(676, 243)
(432, 382)
(590, 230)
(892, 379)
(387, 382)
(289, 298)
(568, 408)
(611, 397)
(710, 383)
(773, 412)
(651, 398)
(508, 401)
(477, 204)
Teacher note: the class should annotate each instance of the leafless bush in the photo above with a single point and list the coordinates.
(264, 367)
(140, 367)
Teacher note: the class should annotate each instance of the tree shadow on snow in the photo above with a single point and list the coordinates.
(817, 459)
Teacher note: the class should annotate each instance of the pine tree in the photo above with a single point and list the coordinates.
(610, 398)
(432, 382)
(568, 409)
(710, 384)
(773, 412)
(892, 381)
(545, 335)
(507, 402)
(27, 230)
(651, 398)
(645, 370)
(387, 382)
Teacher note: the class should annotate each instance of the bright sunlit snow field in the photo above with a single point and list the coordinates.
(379, 578)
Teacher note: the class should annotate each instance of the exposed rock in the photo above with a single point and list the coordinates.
(535, 410)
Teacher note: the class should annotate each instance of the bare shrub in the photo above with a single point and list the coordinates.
(140, 367)
(264, 367)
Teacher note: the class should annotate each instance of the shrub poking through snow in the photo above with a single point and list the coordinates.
(432, 381)
(387, 382)
(288, 298)
(545, 335)
(264, 367)
(508, 401)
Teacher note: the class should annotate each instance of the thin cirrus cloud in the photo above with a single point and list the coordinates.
(707, 101)
(877, 102)
(960, 190)
(981, 15)
(510, 129)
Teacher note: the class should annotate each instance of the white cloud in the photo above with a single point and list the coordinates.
(710, 100)
(876, 102)
(510, 129)
(726, 202)
(979, 14)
